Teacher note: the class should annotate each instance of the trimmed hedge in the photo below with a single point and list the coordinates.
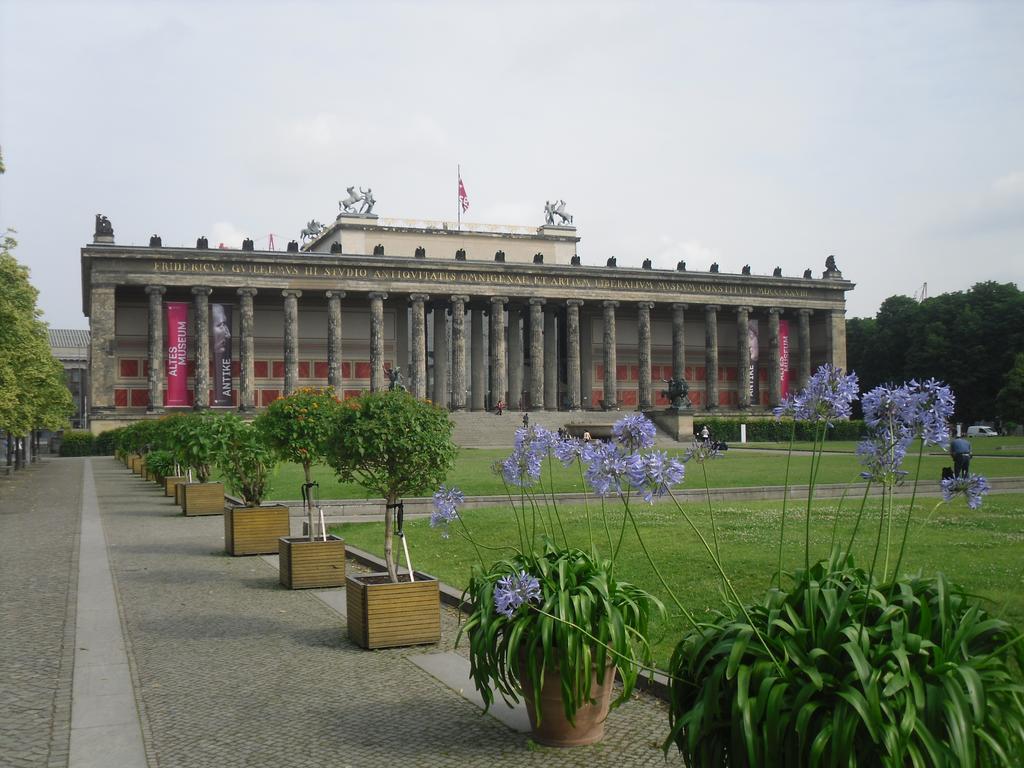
(773, 430)
(77, 443)
(105, 443)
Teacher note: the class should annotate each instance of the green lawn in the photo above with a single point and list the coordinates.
(982, 446)
(982, 549)
(735, 469)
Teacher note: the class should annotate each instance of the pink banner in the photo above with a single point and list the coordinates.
(177, 344)
(783, 358)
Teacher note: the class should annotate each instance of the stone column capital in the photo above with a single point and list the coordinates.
(648, 305)
(159, 290)
(291, 293)
(202, 291)
(775, 310)
(335, 294)
(246, 292)
(712, 307)
(419, 297)
(537, 302)
(744, 310)
(459, 297)
(574, 302)
(610, 304)
(677, 305)
(502, 300)
(377, 295)
(805, 312)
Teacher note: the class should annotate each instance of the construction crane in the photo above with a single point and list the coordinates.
(922, 294)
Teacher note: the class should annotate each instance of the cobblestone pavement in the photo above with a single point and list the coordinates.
(39, 524)
(234, 670)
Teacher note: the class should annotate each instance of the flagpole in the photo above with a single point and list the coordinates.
(458, 200)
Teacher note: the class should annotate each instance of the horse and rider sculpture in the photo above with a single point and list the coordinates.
(364, 199)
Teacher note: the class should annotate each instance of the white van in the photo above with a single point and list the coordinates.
(981, 431)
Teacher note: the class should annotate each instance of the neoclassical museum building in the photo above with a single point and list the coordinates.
(465, 315)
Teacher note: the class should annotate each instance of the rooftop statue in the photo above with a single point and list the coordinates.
(364, 199)
(552, 209)
(312, 230)
(830, 264)
(103, 226)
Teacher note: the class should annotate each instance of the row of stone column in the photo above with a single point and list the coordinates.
(543, 385)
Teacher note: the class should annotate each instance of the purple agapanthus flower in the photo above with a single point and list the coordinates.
(569, 449)
(653, 474)
(606, 468)
(701, 450)
(446, 507)
(514, 590)
(912, 409)
(828, 396)
(882, 457)
(635, 432)
(973, 487)
(522, 468)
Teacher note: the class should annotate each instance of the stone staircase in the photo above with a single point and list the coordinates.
(478, 429)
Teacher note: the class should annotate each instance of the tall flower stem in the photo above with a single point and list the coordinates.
(657, 572)
(785, 497)
(554, 500)
(910, 512)
(727, 582)
(860, 515)
(819, 450)
(711, 511)
(586, 503)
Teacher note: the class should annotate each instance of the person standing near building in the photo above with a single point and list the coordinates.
(960, 450)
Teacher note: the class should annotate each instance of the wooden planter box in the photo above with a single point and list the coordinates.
(304, 564)
(385, 615)
(254, 530)
(179, 493)
(171, 482)
(134, 462)
(202, 498)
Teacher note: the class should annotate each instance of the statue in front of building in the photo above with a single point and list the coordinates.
(103, 226)
(395, 379)
(678, 394)
(312, 230)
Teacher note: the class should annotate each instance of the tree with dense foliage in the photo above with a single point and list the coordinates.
(966, 338)
(393, 445)
(295, 427)
(1010, 400)
(33, 394)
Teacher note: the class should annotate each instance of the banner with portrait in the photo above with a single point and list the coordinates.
(177, 348)
(754, 387)
(220, 353)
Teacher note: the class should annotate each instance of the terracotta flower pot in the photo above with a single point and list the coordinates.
(554, 728)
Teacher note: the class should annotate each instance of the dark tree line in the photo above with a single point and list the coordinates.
(971, 340)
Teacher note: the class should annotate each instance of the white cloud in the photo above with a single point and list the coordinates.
(697, 255)
(226, 233)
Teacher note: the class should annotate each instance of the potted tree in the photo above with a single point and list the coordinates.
(296, 427)
(195, 436)
(245, 462)
(393, 445)
(166, 439)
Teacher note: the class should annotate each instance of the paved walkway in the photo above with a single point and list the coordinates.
(225, 667)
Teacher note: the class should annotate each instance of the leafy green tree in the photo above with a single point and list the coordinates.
(296, 428)
(244, 458)
(393, 445)
(1010, 401)
(33, 394)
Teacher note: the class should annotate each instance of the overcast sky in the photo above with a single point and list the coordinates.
(888, 134)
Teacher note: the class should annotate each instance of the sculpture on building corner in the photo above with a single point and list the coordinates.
(746, 269)
(807, 274)
(312, 230)
(830, 264)
(552, 209)
(777, 272)
(714, 267)
(103, 226)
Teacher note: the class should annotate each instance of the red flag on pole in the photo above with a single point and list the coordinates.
(463, 197)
